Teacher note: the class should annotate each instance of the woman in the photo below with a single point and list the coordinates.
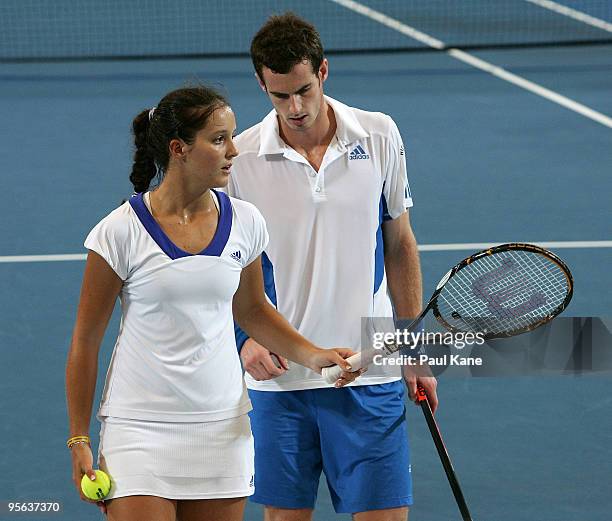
(175, 435)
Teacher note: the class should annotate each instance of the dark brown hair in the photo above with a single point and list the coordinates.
(180, 114)
(283, 42)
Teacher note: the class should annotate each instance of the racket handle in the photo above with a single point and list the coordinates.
(331, 374)
(443, 454)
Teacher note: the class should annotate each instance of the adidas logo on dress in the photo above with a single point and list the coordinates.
(358, 153)
(236, 256)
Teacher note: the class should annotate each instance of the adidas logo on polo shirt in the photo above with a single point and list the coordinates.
(358, 153)
(236, 256)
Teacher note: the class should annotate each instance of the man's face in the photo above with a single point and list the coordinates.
(298, 95)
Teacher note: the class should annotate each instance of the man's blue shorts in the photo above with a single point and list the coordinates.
(356, 435)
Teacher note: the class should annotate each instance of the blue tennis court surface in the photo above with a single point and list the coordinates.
(488, 162)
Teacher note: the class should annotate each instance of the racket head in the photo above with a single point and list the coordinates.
(503, 291)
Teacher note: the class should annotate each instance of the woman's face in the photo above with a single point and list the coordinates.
(210, 155)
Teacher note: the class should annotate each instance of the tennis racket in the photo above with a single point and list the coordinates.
(499, 292)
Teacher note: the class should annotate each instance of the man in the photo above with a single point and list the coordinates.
(331, 183)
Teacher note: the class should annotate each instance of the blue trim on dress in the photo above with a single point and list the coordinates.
(214, 248)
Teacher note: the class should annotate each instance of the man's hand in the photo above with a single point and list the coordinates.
(429, 383)
(260, 363)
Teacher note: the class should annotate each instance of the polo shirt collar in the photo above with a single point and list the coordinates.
(269, 136)
(348, 129)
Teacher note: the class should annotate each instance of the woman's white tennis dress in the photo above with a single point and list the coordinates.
(174, 407)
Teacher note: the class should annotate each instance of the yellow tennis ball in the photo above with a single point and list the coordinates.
(96, 490)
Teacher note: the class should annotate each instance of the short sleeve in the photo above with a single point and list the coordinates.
(110, 239)
(259, 237)
(396, 190)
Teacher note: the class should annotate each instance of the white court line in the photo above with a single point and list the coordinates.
(544, 244)
(573, 13)
(44, 258)
(519, 81)
(422, 247)
(483, 65)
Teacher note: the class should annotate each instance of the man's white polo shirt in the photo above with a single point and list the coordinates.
(324, 265)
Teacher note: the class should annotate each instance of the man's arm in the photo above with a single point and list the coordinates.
(402, 267)
(405, 285)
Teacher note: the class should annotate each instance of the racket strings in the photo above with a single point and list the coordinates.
(503, 292)
(523, 285)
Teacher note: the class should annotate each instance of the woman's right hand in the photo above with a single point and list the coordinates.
(82, 463)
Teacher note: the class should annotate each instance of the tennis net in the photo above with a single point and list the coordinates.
(140, 29)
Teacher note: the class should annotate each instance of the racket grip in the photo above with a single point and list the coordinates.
(421, 394)
(331, 374)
